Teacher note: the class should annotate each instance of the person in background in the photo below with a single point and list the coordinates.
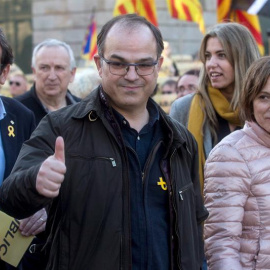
(120, 176)
(168, 87)
(16, 125)
(166, 94)
(54, 67)
(188, 83)
(169, 67)
(85, 81)
(227, 51)
(17, 84)
(237, 180)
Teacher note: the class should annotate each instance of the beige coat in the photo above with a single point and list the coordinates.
(237, 196)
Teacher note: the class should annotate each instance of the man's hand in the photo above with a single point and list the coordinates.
(35, 224)
(52, 172)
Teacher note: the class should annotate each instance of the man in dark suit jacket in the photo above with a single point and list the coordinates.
(16, 125)
(54, 67)
(15, 128)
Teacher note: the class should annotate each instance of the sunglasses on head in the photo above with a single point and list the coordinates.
(17, 83)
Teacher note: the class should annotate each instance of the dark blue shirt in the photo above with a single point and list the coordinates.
(149, 196)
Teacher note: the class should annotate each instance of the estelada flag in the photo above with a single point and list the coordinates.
(187, 10)
(90, 43)
(145, 8)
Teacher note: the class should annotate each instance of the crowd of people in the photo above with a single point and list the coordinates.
(121, 179)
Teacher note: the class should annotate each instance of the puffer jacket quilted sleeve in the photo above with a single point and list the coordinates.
(237, 196)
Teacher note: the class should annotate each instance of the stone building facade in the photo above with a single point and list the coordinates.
(67, 20)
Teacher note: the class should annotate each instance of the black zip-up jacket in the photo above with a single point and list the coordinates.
(32, 102)
(89, 222)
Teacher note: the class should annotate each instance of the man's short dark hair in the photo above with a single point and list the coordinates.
(195, 72)
(169, 82)
(7, 54)
(129, 21)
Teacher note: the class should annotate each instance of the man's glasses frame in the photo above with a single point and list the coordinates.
(121, 69)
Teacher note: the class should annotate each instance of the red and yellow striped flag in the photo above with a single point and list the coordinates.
(145, 8)
(223, 10)
(187, 10)
(224, 13)
(252, 23)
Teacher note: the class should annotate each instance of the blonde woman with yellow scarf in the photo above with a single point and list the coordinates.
(226, 52)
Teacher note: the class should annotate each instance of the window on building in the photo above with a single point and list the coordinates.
(16, 22)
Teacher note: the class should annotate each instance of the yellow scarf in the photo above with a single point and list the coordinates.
(196, 117)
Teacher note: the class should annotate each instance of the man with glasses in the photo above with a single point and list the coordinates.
(188, 83)
(121, 176)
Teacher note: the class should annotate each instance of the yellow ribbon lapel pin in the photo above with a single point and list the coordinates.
(11, 130)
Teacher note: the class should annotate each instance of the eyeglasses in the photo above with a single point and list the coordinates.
(121, 69)
(16, 83)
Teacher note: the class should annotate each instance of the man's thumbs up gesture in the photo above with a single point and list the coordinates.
(52, 172)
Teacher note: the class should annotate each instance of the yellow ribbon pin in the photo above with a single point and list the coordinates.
(162, 184)
(11, 131)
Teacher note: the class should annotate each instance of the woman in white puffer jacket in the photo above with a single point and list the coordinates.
(237, 183)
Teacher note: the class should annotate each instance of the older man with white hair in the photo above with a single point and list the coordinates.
(54, 67)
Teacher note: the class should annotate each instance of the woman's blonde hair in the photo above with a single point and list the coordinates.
(241, 50)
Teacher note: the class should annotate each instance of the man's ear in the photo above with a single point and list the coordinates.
(4, 74)
(160, 61)
(34, 73)
(72, 72)
(98, 64)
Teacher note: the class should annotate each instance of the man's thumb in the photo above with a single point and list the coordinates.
(60, 149)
